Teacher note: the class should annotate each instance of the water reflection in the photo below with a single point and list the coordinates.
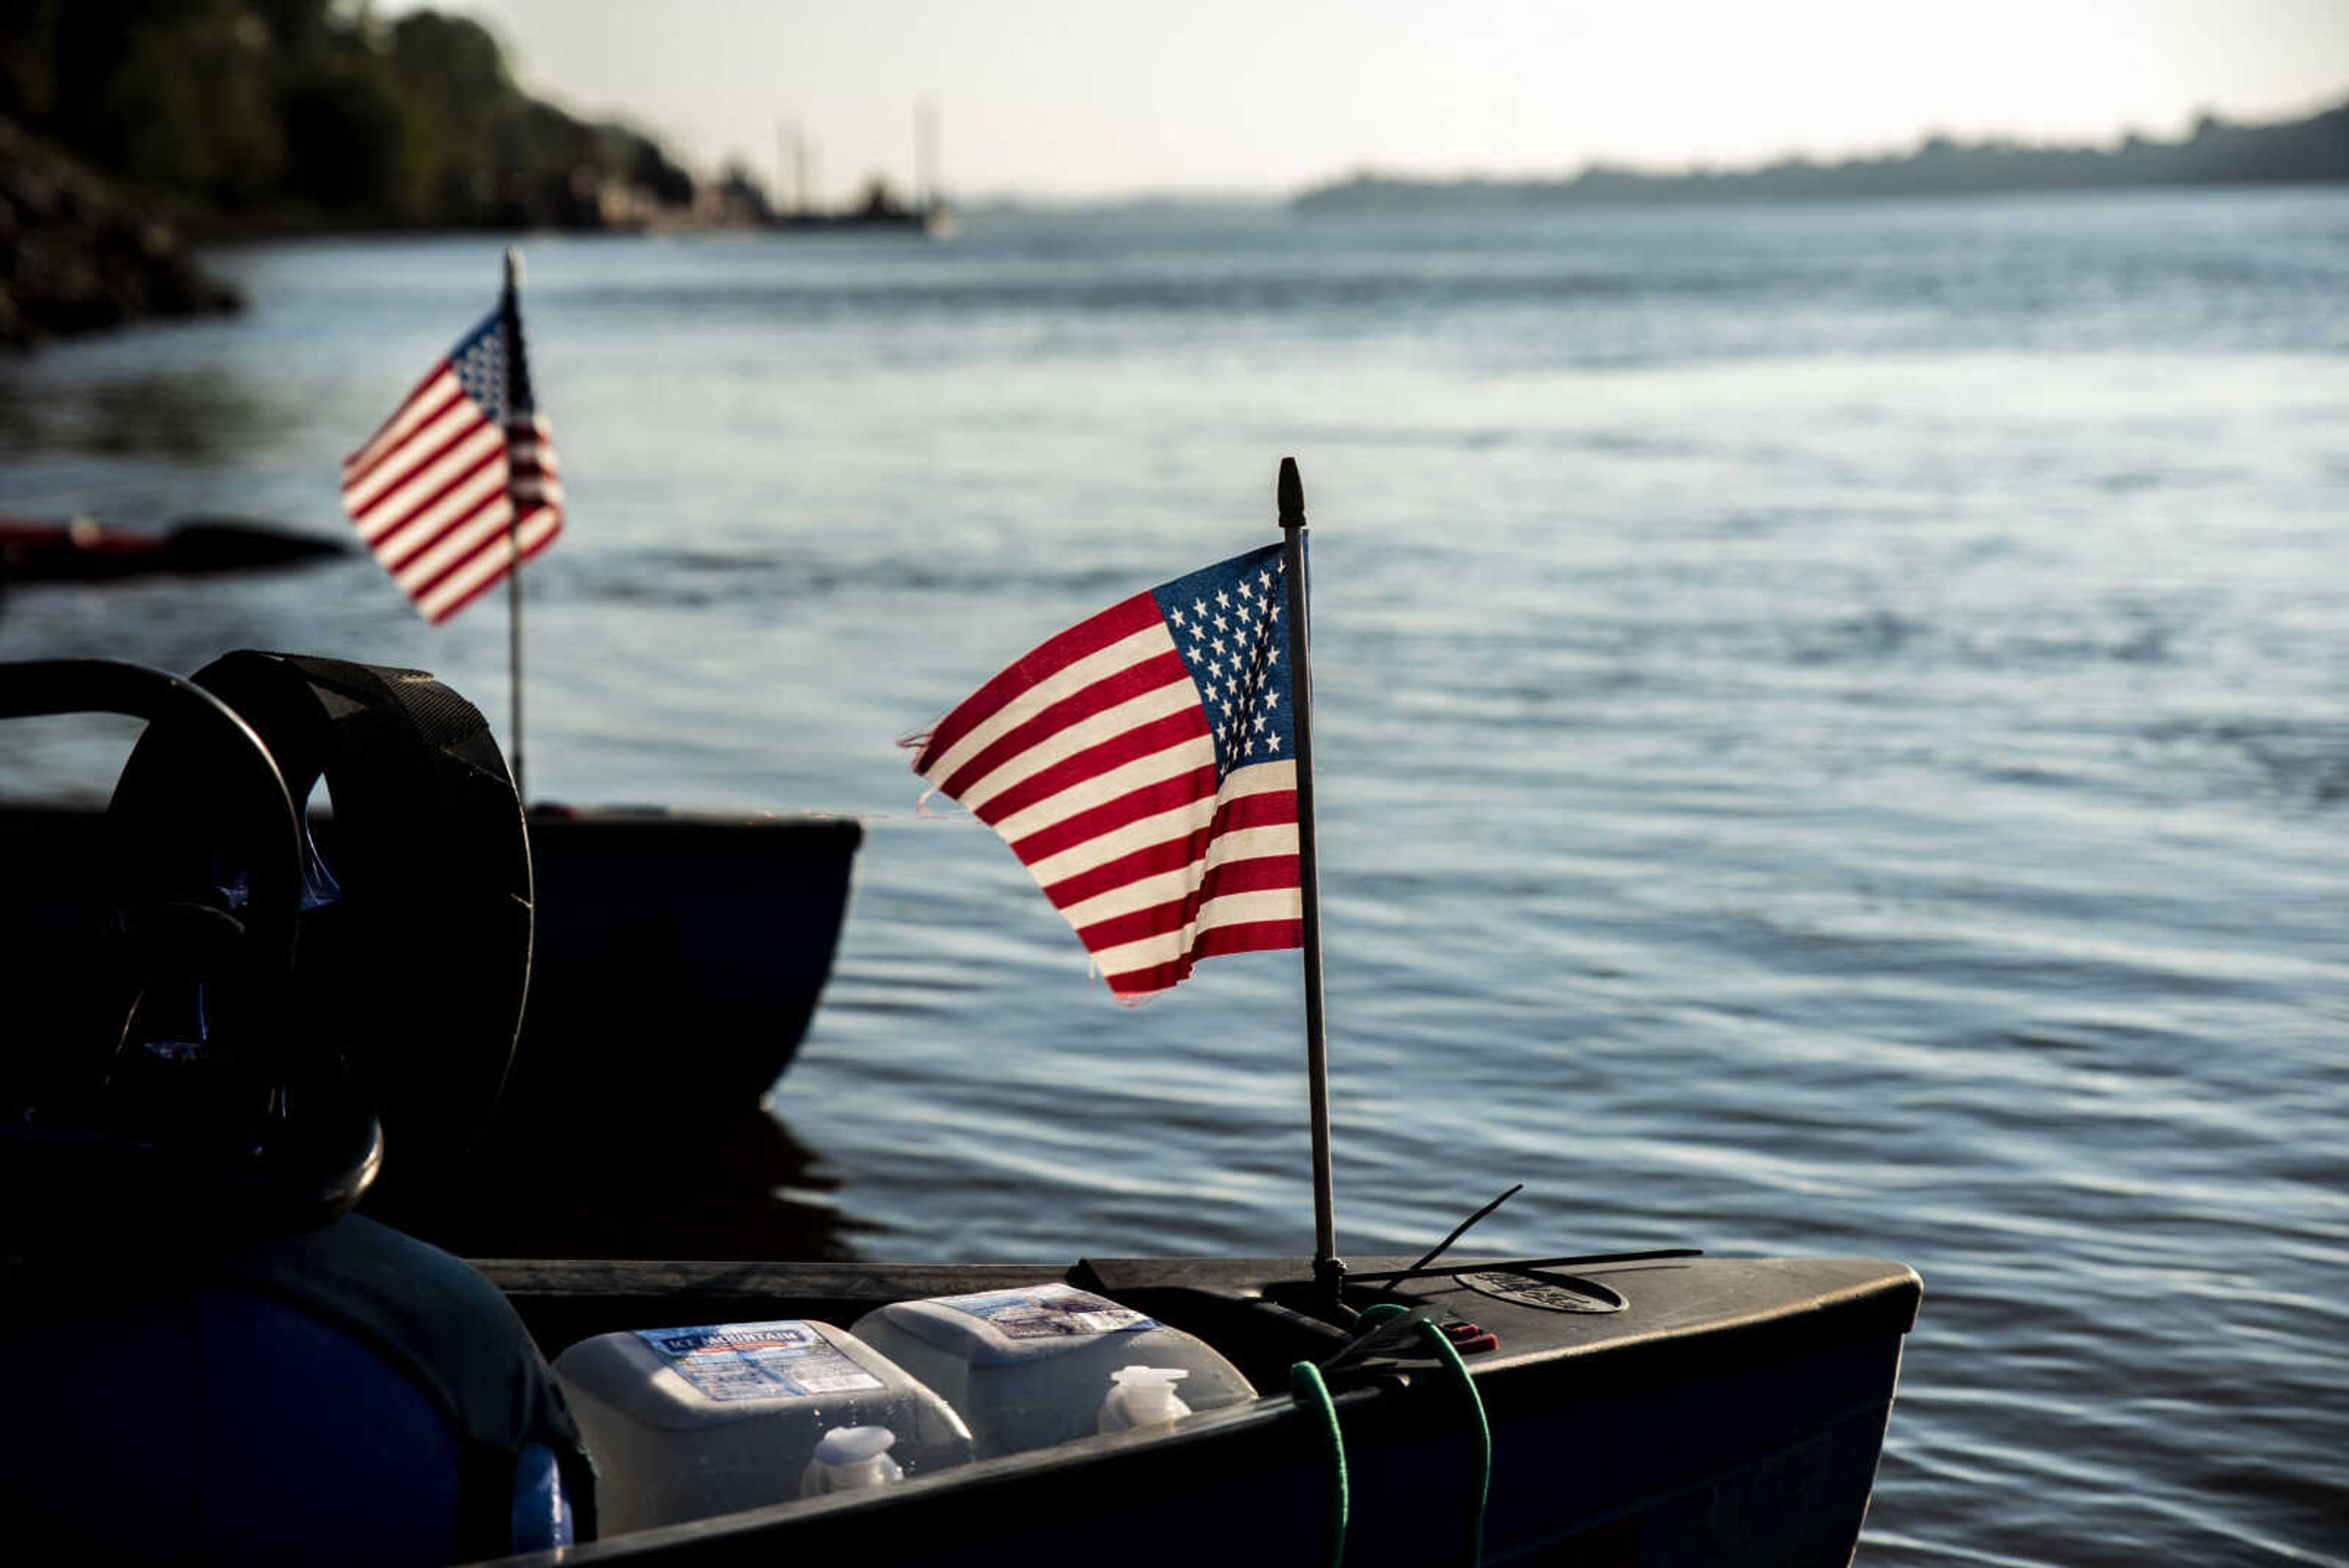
(199, 415)
(685, 1181)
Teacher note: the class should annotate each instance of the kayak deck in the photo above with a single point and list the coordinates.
(1658, 1411)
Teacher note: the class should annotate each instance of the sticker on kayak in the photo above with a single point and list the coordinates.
(1040, 1312)
(1550, 1292)
(758, 1360)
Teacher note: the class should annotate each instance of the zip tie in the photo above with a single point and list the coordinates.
(1305, 1388)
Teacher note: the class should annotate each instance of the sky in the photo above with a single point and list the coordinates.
(1058, 99)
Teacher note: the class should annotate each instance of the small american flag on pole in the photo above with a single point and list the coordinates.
(1142, 766)
(434, 491)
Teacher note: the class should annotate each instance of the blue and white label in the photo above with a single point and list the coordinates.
(788, 1360)
(1044, 1311)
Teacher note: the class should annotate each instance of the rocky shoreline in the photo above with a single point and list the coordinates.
(74, 259)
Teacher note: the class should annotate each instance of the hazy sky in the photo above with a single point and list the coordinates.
(1059, 98)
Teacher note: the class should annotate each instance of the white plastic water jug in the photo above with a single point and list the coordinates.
(1032, 1366)
(685, 1423)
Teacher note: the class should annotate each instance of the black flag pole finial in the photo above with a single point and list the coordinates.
(1328, 1270)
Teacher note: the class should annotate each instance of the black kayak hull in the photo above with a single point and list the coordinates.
(651, 928)
(656, 929)
(1730, 1414)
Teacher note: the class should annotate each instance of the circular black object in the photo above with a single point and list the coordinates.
(182, 1100)
(414, 951)
(1544, 1291)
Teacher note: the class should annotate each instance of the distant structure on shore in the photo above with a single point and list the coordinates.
(2215, 153)
(877, 206)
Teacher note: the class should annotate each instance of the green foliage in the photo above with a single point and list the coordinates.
(347, 129)
(312, 110)
(190, 107)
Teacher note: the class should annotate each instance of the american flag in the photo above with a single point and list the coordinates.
(1140, 764)
(433, 491)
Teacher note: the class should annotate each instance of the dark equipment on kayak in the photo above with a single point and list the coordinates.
(158, 1084)
(416, 930)
(266, 1376)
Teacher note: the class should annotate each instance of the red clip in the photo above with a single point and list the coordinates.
(1470, 1340)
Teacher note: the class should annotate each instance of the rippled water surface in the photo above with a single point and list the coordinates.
(1833, 727)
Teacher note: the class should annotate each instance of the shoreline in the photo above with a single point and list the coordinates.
(76, 258)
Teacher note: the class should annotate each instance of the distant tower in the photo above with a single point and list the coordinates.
(797, 156)
(928, 196)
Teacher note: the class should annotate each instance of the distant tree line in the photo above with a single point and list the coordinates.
(2216, 153)
(314, 112)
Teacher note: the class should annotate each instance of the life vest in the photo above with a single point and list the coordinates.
(347, 1395)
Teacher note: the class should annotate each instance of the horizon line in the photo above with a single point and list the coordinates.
(1247, 195)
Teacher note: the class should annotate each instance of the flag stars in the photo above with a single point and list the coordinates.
(1229, 641)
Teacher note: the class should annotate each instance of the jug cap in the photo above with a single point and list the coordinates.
(853, 1445)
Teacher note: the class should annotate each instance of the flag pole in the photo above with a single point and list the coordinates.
(510, 311)
(1329, 1268)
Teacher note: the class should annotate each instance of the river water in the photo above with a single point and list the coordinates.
(1833, 724)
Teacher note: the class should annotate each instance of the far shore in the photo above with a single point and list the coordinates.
(2310, 151)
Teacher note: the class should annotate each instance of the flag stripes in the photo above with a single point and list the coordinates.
(433, 492)
(1134, 765)
(1116, 640)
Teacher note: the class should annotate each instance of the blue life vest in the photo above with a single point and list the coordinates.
(346, 1395)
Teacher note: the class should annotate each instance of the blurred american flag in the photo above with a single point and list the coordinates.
(434, 490)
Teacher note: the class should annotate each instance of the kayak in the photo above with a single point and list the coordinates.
(85, 550)
(1661, 1409)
